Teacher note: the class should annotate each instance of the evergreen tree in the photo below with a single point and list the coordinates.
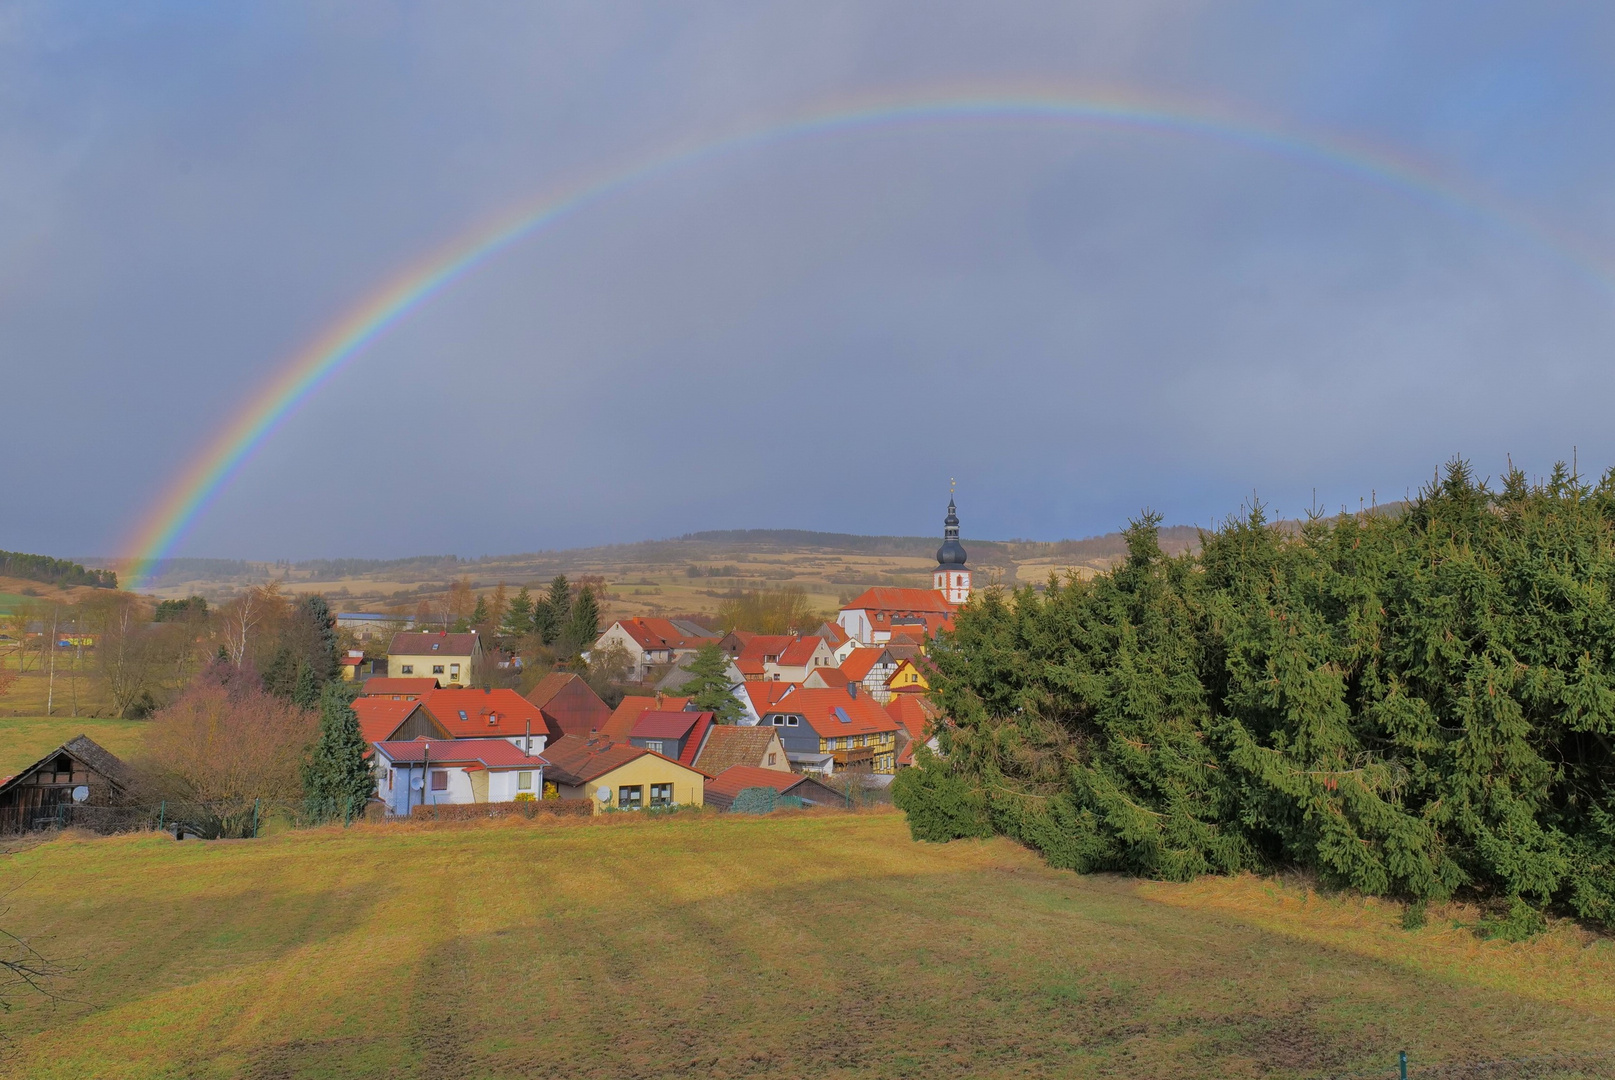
(519, 617)
(583, 625)
(560, 599)
(280, 677)
(337, 780)
(306, 688)
(323, 653)
(479, 614)
(1405, 702)
(709, 688)
(545, 624)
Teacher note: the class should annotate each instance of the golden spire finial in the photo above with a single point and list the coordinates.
(951, 484)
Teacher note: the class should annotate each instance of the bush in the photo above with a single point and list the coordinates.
(527, 808)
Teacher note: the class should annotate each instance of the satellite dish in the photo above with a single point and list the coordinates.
(604, 794)
(416, 782)
(81, 793)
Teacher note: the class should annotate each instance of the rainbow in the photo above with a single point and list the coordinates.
(302, 376)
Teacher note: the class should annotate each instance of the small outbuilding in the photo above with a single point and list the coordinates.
(77, 773)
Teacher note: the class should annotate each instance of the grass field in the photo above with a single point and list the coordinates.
(814, 944)
(25, 739)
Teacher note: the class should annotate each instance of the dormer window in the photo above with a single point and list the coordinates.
(434, 646)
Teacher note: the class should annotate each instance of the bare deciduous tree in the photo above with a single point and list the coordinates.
(239, 618)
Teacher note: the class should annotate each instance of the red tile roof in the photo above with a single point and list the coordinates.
(800, 652)
(820, 709)
(652, 633)
(698, 736)
(380, 717)
(404, 687)
(490, 753)
(860, 662)
(575, 760)
(827, 676)
(913, 712)
(737, 778)
(472, 714)
(662, 724)
(570, 704)
(627, 713)
(762, 646)
(765, 694)
(900, 601)
(413, 643)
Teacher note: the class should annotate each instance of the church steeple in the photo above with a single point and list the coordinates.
(951, 577)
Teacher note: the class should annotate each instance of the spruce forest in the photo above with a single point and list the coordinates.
(1417, 704)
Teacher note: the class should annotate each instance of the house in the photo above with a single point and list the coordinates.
(907, 678)
(871, 668)
(629, 777)
(722, 789)
(80, 772)
(871, 615)
(385, 719)
(627, 713)
(734, 642)
(916, 714)
(569, 704)
(841, 643)
(727, 745)
(651, 642)
(677, 735)
(490, 714)
(849, 726)
(826, 678)
(352, 664)
(451, 659)
(759, 696)
(800, 657)
(429, 772)
(398, 689)
(759, 658)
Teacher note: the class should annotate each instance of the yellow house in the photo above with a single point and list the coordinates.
(907, 676)
(451, 659)
(630, 777)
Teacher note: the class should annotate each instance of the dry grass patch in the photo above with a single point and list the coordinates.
(698, 945)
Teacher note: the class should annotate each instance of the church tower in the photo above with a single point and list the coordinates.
(951, 577)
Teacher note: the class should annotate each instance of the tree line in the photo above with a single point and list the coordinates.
(16, 564)
(1417, 704)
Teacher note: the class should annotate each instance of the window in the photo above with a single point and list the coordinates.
(408, 669)
(653, 745)
(776, 720)
(661, 794)
(390, 779)
(771, 758)
(454, 669)
(524, 781)
(462, 714)
(790, 721)
(434, 646)
(630, 798)
(437, 669)
(440, 780)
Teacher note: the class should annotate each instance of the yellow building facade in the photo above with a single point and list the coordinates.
(645, 782)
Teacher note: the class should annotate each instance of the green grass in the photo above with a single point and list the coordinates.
(822, 945)
(26, 739)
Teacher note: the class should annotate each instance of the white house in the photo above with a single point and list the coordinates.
(431, 772)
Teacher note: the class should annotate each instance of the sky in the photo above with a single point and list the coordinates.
(1075, 321)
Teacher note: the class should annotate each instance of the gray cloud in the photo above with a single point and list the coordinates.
(813, 333)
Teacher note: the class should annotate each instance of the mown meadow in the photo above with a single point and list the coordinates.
(816, 943)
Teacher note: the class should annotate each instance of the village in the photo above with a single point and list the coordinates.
(821, 716)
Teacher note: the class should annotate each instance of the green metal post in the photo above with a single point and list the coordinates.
(1402, 1061)
(162, 808)
(255, 803)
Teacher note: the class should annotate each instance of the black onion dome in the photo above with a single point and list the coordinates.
(951, 553)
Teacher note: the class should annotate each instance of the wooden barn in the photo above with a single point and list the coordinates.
(81, 772)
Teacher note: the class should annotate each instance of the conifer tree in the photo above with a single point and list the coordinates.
(306, 687)
(709, 689)
(479, 614)
(337, 780)
(583, 625)
(519, 616)
(560, 599)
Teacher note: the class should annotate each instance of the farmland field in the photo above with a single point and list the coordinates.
(25, 739)
(702, 945)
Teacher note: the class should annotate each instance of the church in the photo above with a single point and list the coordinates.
(873, 616)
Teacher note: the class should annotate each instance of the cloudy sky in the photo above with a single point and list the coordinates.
(817, 331)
